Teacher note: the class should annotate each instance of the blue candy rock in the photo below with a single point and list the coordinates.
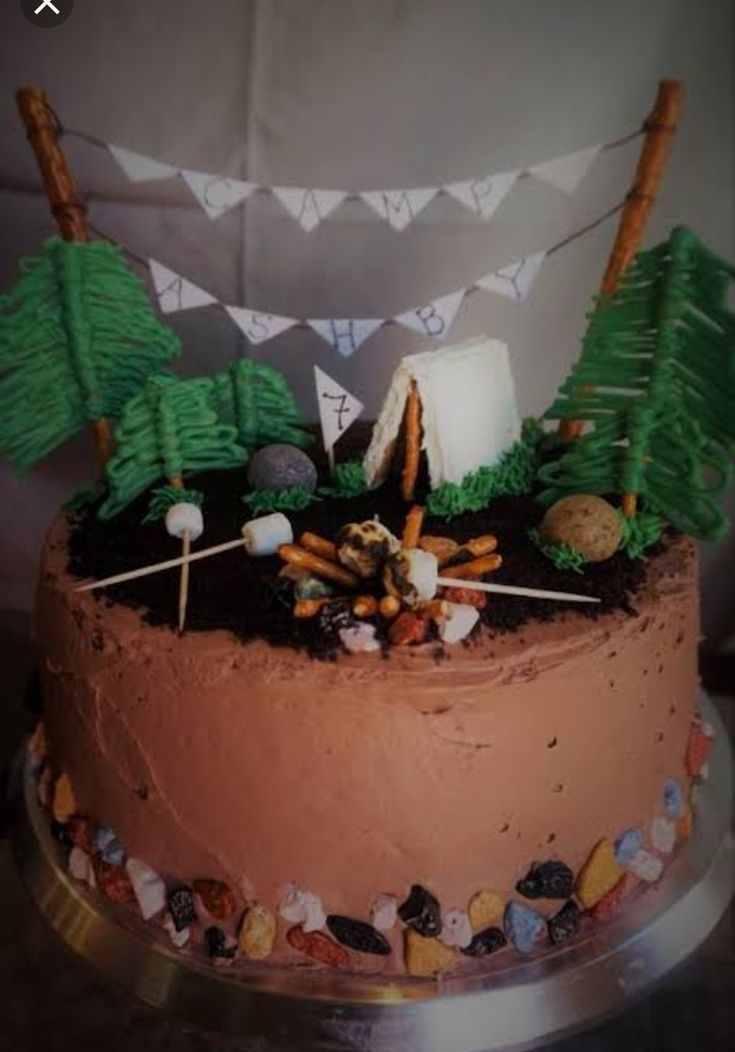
(280, 466)
(523, 926)
(673, 798)
(108, 846)
(627, 846)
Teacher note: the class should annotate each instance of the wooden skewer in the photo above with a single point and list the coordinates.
(177, 483)
(168, 564)
(511, 589)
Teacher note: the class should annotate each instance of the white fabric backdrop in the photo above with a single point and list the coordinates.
(363, 94)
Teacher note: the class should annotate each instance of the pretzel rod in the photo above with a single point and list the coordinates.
(319, 546)
(169, 564)
(412, 529)
(476, 567)
(413, 444)
(365, 606)
(481, 545)
(510, 589)
(291, 553)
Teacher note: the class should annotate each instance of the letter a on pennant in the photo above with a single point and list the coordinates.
(309, 206)
(176, 293)
(337, 407)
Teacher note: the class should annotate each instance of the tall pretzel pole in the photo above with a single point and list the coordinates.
(660, 129)
(68, 211)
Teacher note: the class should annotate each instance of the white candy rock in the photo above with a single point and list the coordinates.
(384, 911)
(359, 639)
(80, 865)
(150, 891)
(646, 866)
(265, 535)
(302, 907)
(663, 835)
(178, 938)
(185, 518)
(458, 623)
(456, 929)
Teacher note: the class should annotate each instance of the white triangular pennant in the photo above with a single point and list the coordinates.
(566, 173)
(309, 206)
(259, 327)
(215, 193)
(434, 318)
(141, 169)
(399, 207)
(337, 407)
(345, 334)
(483, 195)
(515, 280)
(176, 293)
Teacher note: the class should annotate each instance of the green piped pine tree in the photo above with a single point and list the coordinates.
(258, 402)
(77, 340)
(656, 378)
(167, 430)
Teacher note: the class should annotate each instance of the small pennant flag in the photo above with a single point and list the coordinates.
(399, 207)
(309, 206)
(483, 195)
(345, 334)
(259, 327)
(176, 293)
(515, 280)
(337, 408)
(216, 194)
(566, 173)
(141, 169)
(435, 318)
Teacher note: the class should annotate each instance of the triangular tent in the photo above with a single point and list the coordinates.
(469, 416)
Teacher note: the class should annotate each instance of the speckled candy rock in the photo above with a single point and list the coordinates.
(588, 524)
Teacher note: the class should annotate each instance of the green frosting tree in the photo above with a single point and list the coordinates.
(656, 379)
(168, 429)
(258, 402)
(77, 340)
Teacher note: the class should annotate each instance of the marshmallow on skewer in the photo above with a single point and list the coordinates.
(412, 575)
(265, 535)
(185, 518)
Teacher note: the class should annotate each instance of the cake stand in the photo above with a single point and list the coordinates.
(512, 1004)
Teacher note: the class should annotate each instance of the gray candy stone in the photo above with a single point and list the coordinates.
(280, 466)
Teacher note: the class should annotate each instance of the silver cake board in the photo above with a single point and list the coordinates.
(512, 1004)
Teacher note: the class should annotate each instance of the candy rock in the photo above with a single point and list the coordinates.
(421, 911)
(485, 942)
(108, 846)
(181, 907)
(646, 866)
(425, 955)
(185, 518)
(411, 576)
(281, 466)
(609, 905)
(319, 946)
(628, 845)
(306, 586)
(359, 639)
(363, 547)
(81, 833)
(485, 908)
(565, 923)
(408, 628)
(468, 596)
(257, 932)
(598, 875)
(113, 881)
(685, 823)
(663, 835)
(217, 945)
(216, 898)
(456, 929)
(358, 935)
(523, 926)
(588, 524)
(547, 880)
(265, 535)
(673, 798)
(45, 787)
(384, 911)
(302, 907)
(38, 746)
(149, 889)
(64, 805)
(80, 864)
(459, 622)
(699, 747)
(179, 936)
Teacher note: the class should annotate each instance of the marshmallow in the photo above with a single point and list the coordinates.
(265, 535)
(412, 576)
(458, 623)
(456, 929)
(150, 891)
(302, 907)
(384, 911)
(185, 518)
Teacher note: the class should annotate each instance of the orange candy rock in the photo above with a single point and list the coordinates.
(216, 897)
(408, 628)
(699, 748)
(319, 946)
(64, 805)
(426, 956)
(598, 875)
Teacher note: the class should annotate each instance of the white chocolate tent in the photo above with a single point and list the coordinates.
(468, 410)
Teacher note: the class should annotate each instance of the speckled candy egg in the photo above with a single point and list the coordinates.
(280, 466)
(589, 524)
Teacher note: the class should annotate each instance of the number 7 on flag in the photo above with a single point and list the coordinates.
(337, 410)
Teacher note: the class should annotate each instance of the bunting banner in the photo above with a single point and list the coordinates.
(217, 194)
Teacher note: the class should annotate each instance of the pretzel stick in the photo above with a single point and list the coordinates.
(475, 568)
(412, 428)
(319, 546)
(291, 553)
(412, 529)
(304, 608)
(168, 564)
(509, 589)
(481, 545)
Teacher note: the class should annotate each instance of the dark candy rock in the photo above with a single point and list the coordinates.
(280, 466)
(181, 906)
(60, 832)
(421, 912)
(547, 880)
(565, 923)
(334, 616)
(484, 942)
(216, 943)
(358, 935)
